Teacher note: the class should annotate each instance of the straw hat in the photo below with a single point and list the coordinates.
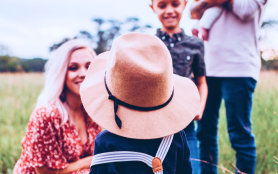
(131, 90)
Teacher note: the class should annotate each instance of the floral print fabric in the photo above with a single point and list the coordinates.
(48, 143)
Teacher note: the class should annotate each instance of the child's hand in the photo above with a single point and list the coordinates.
(195, 32)
(198, 117)
(204, 33)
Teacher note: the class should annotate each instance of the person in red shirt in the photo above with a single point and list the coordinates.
(60, 135)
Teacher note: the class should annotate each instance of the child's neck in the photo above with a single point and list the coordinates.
(171, 32)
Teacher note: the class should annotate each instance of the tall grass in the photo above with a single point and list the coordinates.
(265, 124)
(18, 93)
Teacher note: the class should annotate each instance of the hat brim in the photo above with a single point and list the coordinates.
(138, 124)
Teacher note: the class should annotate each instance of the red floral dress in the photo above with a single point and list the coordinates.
(51, 145)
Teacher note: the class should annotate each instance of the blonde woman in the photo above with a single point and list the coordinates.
(60, 135)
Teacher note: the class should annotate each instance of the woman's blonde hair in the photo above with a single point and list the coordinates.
(55, 73)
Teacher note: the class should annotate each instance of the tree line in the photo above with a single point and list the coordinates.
(101, 37)
(106, 31)
(14, 64)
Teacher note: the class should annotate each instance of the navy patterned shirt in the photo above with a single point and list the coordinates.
(188, 58)
(187, 53)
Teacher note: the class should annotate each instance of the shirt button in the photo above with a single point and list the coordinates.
(172, 45)
(163, 37)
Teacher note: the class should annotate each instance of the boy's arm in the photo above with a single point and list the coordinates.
(199, 71)
(198, 7)
(203, 90)
(246, 9)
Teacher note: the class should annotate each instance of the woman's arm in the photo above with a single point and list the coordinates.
(245, 10)
(74, 166)
(203, 90)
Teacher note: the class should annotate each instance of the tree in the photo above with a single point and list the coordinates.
(56, 46)
(265, 26)
(269, 23)
(7, 63)
(105, 37)
(4, 50)
(107, 30)
(4, 60)
(33, 65)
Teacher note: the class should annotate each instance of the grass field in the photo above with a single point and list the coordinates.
(18, 93)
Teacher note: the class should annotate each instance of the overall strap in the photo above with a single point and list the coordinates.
(124, 156)
(161, 154)
(121, 156)
(164, 147)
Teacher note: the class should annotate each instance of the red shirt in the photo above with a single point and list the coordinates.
(51, 145)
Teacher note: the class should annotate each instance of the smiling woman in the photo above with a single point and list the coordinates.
(60, 135)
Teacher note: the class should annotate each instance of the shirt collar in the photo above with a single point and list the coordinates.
(165, 36)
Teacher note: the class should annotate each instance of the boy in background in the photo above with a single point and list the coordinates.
(188, 58)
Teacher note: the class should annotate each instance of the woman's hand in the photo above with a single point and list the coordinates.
(74, 166)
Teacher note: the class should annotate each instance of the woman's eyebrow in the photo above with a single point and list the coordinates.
(73, 63)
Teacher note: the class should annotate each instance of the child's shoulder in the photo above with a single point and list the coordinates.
(193, 41)
(106, 137)
(103, 135)
(182, 136)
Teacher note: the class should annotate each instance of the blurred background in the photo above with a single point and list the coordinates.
(31, 30)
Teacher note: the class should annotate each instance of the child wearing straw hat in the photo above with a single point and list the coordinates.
(131, 91)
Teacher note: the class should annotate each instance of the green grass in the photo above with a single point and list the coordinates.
(265, 125)
(18, 94)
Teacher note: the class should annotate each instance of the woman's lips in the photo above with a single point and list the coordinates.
(78, 83)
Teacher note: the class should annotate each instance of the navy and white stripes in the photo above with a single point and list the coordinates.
(125, 156)
(164, 147)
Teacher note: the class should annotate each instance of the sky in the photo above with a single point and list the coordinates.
(29, 27)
